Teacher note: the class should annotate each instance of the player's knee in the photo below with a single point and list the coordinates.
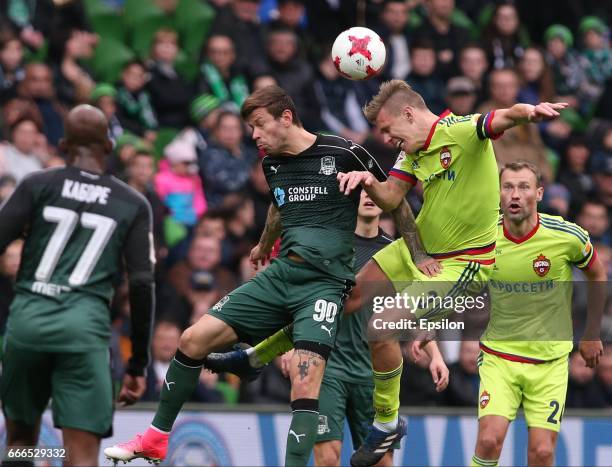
(541, 454)
(191, 346)
(489, 445)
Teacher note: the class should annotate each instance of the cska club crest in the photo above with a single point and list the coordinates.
(445, 157)
(541, 265)
(485, 397)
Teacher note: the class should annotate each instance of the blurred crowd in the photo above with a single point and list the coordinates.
(171, 75)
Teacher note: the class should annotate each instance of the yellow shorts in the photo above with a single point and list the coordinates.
(540, 388)
(452, 290)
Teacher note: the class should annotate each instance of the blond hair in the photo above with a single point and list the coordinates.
(393, 95)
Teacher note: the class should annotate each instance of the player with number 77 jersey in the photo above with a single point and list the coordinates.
(80, 227)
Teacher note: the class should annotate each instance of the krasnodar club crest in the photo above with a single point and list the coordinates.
(328, 165)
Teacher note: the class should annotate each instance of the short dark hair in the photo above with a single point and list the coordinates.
(422, 43)
(274, 99)
(519, 165)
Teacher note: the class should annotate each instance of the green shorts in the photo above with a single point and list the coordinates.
(452, 290)
(78, 384)
(286, 292)
(540, 388)
(340, 400)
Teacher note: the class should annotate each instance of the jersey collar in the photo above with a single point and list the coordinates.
(525, 237)
(433, 129)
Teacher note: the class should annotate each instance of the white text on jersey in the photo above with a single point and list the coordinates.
(85, 192)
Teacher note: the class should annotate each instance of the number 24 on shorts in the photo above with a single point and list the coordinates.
(324, 311)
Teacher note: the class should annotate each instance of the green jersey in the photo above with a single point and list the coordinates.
(531, 290)
(79, 227)
(318, 221)
(461, 187)
(350, 361)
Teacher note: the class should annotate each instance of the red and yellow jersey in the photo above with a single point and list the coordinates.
(531, 290)
(461, 187)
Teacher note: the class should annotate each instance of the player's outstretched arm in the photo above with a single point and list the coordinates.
(387, 195)
(590, 344)
(139, 254)
(519, 114)
(406, 226)
(271, 232)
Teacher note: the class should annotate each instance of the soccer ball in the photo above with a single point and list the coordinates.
(359, 53)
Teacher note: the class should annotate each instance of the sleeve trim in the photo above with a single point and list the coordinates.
(405, 176)
(590, 263)
(489, 128)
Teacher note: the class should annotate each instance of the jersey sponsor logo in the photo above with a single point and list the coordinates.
(85, 192)
(485, 397)
(445, 157)
(541, 265)
(449, 175)
(217, 306)
(328, 165)
(304, 193)
(279, 196)
(323, 425)
(48, 289)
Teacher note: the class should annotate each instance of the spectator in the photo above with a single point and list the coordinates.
(225, 165)
(7, 186)
(140, 171)
(37, 86)
(204, 110)
(582, 390)
(240, 21)
(463, 376)
(179, 186)
(538, 86)
(11, 66)
(423, 78)
(220, 75)
(204, 255)
(393, 30)
(259, 191)
(170, 92)
(202, 296)
(164, 344)
(292, 15)
(522, 142)
(448, 38)
(596, 49)
(574, 175)
(504, 39)
(556, 200)
(461, 95)
(473, 64)
(604, 374)
(18, 157)
(73, 83)
(125, 149)
(9, 266)
(263, 81)
(104, 97)
(341, 112)
(240, 237)
(602, 173)
(294, 74)
(593, 217)
(135, 111)
(536, 76)
(568, 69)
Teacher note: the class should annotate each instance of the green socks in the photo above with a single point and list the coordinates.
(302, 432)
(386, 397)
(179, 384)
(478, 462)
(277, 344)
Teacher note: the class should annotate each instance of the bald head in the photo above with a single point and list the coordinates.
(86, 133)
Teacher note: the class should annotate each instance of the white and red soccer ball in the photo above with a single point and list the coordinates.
(359, 53)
